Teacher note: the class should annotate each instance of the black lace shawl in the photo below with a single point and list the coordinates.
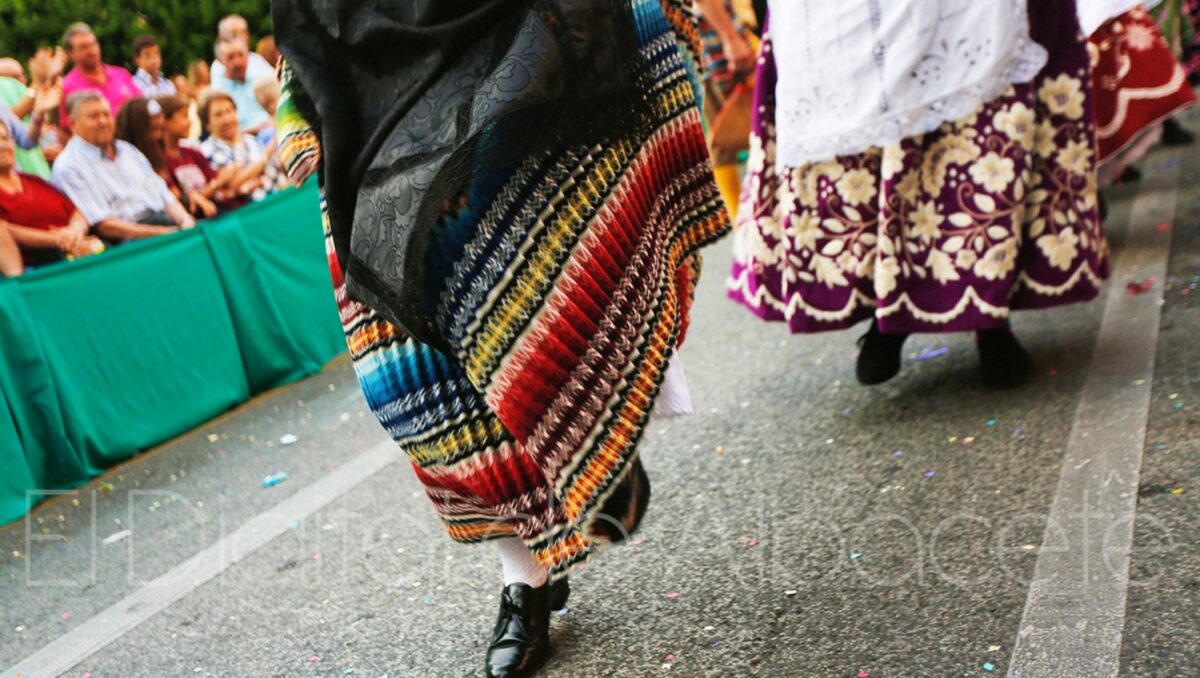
(416, 98)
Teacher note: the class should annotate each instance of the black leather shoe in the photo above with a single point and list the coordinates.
(622, 513)
(1002, 360)
(1175, 134)
(521, 639)
(1131, 175)
(559, 592)
(878, 356)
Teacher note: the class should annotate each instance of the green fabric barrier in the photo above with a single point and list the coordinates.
(109, 355)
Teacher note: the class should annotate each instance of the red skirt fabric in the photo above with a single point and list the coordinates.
(1136, 80)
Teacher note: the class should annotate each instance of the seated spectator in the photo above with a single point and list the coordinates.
(238, 83)
(11, 68)
(16, 103)
(91, 73)
(43, 222)
(110, 181)
(266, 91)
(141, 123)
(10, 256)
(198, 84)
(266, 49)
(147, 55)
(199, 78)
(45, 68)
(258, 66)
(228, 145)
(191, 175)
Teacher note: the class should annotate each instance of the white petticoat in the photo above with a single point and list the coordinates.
(674, 399)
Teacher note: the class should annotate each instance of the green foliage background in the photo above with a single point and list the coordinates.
(186, 29)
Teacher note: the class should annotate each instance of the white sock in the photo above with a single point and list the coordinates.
(517, 564)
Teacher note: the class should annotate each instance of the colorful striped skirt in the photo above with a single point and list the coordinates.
(563, 298)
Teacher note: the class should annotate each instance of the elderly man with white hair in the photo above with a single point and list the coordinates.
(238, 82)
(257, 67)
(110, 181)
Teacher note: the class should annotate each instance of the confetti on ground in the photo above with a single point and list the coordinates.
(932, 353)
(989, 667)
(1177, 490)
(1163, 228)
(287, 439)
(968, 440)
(116, 537)
(994, 648)
(1136, 287)
(855, 556)
(790, 592)
(639, 541)
(345, 416)
(864, 674)
(991, 422)
(313, 658)
(213, 437)
(752, 543)
(1016, 431)
(898, 453)
(672, 595)
(273, 479)
(1179, 406)
(106, 487)
(65, 616)
(929, 474)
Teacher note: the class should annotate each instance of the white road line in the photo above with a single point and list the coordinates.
(123, 616)
(1075, 612)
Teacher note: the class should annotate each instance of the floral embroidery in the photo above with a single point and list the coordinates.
(1064, 96)
(994, 172)
(998, 208)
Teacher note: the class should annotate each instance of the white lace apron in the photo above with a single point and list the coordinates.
(854, 74)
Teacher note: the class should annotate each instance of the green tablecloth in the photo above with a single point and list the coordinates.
(106, 356)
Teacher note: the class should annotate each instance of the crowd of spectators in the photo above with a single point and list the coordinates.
(97, 155)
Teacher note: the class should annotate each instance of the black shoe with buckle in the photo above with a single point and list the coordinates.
(1002, 360)
(521, 639)
(878, 356)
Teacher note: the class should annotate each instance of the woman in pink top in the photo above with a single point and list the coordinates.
(90, 72)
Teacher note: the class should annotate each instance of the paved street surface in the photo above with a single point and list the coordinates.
(801, 525)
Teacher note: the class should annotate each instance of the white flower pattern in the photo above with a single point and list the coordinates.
(1001, 203)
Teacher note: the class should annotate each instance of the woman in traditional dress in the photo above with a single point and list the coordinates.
(929, 167)
(514, 195)
(1137, 83)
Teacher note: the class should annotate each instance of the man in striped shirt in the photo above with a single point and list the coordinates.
(110, 181)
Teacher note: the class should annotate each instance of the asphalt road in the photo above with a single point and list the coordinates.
(801, 525)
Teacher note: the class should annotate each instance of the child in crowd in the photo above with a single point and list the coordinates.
(149, 77)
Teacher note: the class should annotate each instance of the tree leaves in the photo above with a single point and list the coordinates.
(186, 29)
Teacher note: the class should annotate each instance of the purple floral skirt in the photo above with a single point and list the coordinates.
(943, 232)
